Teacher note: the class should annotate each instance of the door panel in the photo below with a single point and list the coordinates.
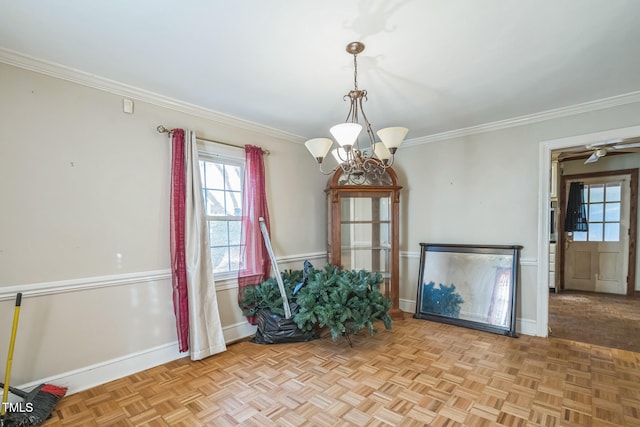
(580, 265)
(583, 265)
(610, 272)
(608, 266)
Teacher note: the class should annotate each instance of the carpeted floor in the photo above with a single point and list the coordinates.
(593, 318)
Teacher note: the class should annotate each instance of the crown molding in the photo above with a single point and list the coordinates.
(585, 107)
(94, 81)
(52, 69)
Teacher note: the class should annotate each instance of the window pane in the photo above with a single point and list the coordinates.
(613, 192)
(234, 232)
(234, 261)
(579, 236)
(595, 232)
(234, 203)
(596, 213)
(612, 212)
(612, 232)
(215, 202)
(218, 233)
(220, 259)
(234, 178)
(596, 193)
(214, 176)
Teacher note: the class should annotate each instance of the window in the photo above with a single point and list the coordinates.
(221, 178)
(603, 211)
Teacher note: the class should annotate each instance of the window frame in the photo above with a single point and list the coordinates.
(586, 236)
(216, 153)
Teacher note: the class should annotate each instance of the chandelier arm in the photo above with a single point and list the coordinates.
(373, 170)
(355, 118)
(347, 154)
(371, 164)
(350, 114)
(328, 173)
(366, 121)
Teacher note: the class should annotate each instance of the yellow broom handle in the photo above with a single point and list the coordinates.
(14, 330)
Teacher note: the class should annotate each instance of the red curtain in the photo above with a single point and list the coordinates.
(177, 231)
(254, 205)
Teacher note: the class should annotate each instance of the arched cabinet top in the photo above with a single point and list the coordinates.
(375, 178)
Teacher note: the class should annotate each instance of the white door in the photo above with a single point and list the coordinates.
(598, 259)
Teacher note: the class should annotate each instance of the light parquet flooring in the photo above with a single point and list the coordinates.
(419, 374)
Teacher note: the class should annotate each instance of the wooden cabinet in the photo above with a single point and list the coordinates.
(363, 227)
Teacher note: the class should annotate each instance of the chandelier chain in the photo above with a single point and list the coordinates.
(355, 72)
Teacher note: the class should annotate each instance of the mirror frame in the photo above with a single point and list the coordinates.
(466, 254)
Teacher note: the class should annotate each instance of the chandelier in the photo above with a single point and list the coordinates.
(360, 164)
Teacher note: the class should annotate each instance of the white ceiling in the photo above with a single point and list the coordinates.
(431, 65)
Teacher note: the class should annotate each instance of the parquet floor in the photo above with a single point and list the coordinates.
(419, 374)
(596, 318)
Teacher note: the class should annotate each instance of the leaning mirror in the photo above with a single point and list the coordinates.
(470, 286)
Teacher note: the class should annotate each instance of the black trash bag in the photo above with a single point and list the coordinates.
(275, 329)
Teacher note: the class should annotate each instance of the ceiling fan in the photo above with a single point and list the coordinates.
(598, 150)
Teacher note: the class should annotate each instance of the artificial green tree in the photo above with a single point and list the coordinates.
(345, 301)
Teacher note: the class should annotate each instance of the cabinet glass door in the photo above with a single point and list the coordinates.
(365, 234)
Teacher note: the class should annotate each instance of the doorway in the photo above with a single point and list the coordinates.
(544, 213)
(601, 256)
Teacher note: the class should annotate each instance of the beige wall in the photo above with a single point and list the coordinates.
(85, 201)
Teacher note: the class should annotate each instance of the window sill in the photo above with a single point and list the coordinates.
(227, 280)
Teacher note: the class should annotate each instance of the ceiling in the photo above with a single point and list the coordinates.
(433, 66)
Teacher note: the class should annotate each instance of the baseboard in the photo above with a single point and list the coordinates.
(110, 370)
(408, 305)
(103, 372)
(238, 331)
(527, 327)
(523, 326)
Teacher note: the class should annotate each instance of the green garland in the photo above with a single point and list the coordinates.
(266, 295)
(345, 301)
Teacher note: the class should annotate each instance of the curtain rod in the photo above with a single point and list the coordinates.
(163, 129)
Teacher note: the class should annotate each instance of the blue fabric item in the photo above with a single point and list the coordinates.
(305, 275)
(297, 288)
